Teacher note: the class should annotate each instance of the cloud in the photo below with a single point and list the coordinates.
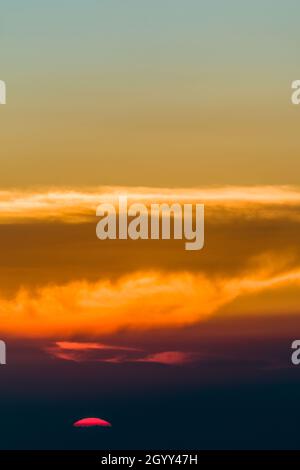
(169, 358)
(87, 346)
(75, 286)
(99, 352)
(141, 300)
(84, 351)
(76, 206)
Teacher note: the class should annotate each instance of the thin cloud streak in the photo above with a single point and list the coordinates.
(80, 352)
(76, 206)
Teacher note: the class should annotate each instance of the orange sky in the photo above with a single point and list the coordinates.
(58, 280)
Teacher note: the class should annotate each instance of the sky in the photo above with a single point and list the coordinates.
(145, 93)
(163, 102)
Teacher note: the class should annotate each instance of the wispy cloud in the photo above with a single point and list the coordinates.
(75, 205)
(169, 358)
(99, 352)
(85, 351)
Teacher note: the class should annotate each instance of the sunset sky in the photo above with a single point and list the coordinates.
(59, 280)
(149, 93)
(162, 101)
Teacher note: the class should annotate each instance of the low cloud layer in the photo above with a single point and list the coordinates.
(142, 300)
(114, 354)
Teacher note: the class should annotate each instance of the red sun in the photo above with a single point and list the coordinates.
(90, 422)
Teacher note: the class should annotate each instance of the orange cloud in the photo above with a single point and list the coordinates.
(75, 206)
(87, 346)
(142, 300)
